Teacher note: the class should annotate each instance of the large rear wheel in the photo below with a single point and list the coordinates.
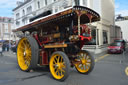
(86, 62)
(59, 66)
(27, 53)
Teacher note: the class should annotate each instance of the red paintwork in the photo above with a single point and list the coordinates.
(83, 38)
(115, 49)
(89, 16)
(44, 57)
(43, 54)
(36, 37)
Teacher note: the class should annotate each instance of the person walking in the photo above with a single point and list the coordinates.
(3, 47)
(7, 46)
(1, 50)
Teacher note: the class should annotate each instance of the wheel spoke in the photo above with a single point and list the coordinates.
(27, 63)
(21, 48)
(85, 56)
(58, 59)
(88, 61)
(82, 56)
(28, 58)
(55, 61)
(80, 65)
(28, 45)
(87, 66)
(55, 67)
(29, 48)
(61, 59)
(23, 44)
(63, 65)
(61, 73)
(58, 72)
(63, 70)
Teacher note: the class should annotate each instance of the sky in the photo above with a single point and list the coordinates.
(121, 7)
(6, 7)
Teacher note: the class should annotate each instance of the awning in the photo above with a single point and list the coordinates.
(2, 40)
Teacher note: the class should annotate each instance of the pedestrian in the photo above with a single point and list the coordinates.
(1, 50)
(3, 47)
(7, 46)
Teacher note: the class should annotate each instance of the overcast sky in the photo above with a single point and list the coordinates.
(6, 7)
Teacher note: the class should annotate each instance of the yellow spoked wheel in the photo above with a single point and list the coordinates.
(25, 55)
(85, 62)
(59, 66)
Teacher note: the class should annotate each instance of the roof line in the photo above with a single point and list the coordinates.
(21, 5)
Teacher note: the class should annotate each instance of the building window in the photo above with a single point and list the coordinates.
(6, 28)
(23, 21)
(105, 38)
(29, 9)
(38, 4)
(23, 13)
(56, 10)
(17, 15)
(17, 23)
(10, 21)
(46, 2)
(77, 2)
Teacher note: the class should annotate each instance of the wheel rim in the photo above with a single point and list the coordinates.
(85, 62)
(57, 66)
(24, 54)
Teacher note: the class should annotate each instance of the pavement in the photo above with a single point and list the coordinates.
(9, 54)
(110, 69)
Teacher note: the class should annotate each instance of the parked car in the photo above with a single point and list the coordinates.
(121, 41)
(116, 47)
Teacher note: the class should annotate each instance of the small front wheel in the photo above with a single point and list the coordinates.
(86, 62)
(59, 65)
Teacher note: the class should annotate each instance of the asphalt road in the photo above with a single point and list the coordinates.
(109, 70)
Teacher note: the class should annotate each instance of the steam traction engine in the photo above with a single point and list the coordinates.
(56, 41)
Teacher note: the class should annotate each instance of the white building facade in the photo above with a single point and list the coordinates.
(100, 30)
(124, 26)
(30, 8)
(6, 27)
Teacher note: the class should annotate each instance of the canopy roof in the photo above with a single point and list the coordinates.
(63, 18)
